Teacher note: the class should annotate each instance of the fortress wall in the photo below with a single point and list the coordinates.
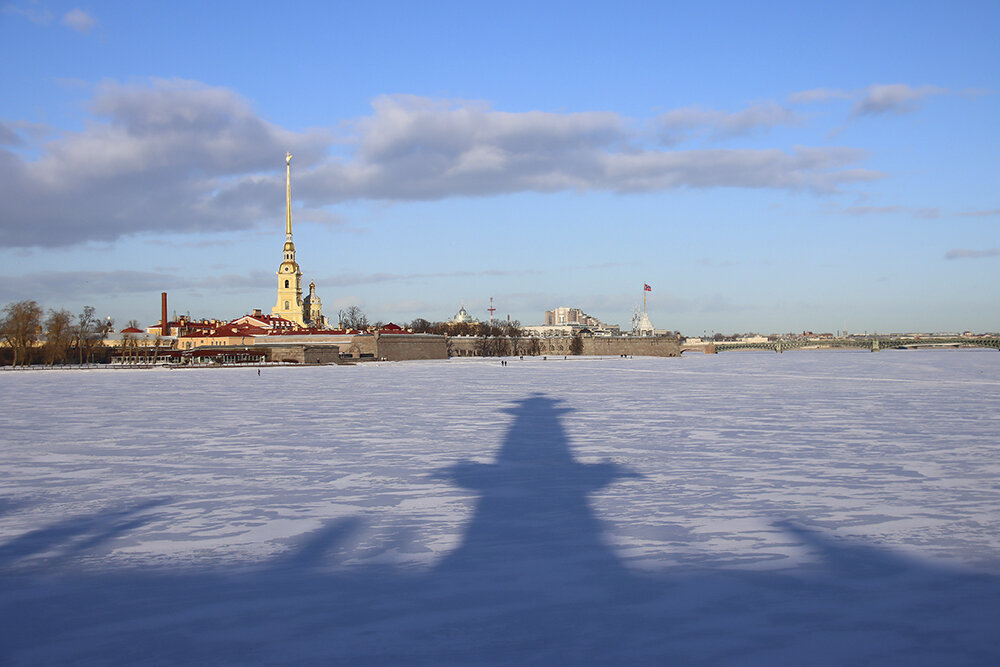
(321, 354)
(303, 354)
(632, 345)
(407, 347)
(393, 347)
(286, 353)
(462, 346)
(360, 345)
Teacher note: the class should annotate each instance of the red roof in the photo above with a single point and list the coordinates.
(316, 332)
(227, 331)
(131, 330)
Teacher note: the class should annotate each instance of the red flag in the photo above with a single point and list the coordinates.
(646, 288)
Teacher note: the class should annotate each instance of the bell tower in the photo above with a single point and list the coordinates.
(289, 305)
(313, 309)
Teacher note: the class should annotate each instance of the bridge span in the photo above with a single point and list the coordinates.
(873, 343)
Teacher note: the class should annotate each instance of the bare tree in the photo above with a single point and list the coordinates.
(58, 336)
(501, 346)
(20, 325)
(353, 317)
(492, 340)
(138, 344)
(534, 346)
(89, 333)
(419, 325)
(483, 346)
(512, 330)
(576, 345)
(128, 347)
(157, 342)
(84, 329)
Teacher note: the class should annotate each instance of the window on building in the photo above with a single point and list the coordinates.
(286, 305)
(286, 287)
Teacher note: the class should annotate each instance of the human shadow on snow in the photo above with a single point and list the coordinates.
(532, 582)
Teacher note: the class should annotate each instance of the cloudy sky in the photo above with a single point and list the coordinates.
(763, 166)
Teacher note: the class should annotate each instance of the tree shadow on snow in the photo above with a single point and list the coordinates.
(532, 582)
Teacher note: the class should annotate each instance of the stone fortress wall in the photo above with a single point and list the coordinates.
(647, 346)
(411, 347)
(643, 346)
(302, 354)
(337, 348)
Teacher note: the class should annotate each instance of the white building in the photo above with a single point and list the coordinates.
(463, 317)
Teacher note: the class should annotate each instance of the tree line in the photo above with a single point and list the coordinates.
(135, 349)
(33, 336)
(58, 337)
(502, 339)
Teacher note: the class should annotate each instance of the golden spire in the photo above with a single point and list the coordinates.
(288, 196)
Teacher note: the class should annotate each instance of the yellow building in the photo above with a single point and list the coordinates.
(312, 308)
(289, 304)
(225, 335)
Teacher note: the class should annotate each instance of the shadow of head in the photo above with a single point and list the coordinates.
(533, 515)
(535, 458)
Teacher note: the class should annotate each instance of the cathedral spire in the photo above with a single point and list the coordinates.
(288, 196)
(289, 304)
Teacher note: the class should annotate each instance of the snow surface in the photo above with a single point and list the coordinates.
(741, 508)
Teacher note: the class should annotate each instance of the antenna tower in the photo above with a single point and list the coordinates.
(492, 310)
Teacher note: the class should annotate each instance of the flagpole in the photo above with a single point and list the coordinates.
(644, 298)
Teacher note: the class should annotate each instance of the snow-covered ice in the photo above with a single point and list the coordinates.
(741, 508)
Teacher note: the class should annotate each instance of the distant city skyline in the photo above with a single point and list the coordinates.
(770, 168)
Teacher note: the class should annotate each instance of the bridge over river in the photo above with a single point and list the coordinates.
(874, 344)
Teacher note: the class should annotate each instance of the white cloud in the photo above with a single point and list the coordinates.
(929, 212)
(9, 136)
(816, 95)
(980, 214)
(681, 123)
(351, 279)
(964, 253)
(413, 148)
(180, 156)
(33, 11)
(893, 98)
(79, 20)
(169, 156)
(71, 285)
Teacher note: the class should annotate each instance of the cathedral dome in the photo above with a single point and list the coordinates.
(463, 317)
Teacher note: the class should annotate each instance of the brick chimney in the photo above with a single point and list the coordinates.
(164, 322)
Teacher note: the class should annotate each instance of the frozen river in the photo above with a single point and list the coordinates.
(741, 508)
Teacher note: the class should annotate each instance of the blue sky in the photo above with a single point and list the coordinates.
(764, 166)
